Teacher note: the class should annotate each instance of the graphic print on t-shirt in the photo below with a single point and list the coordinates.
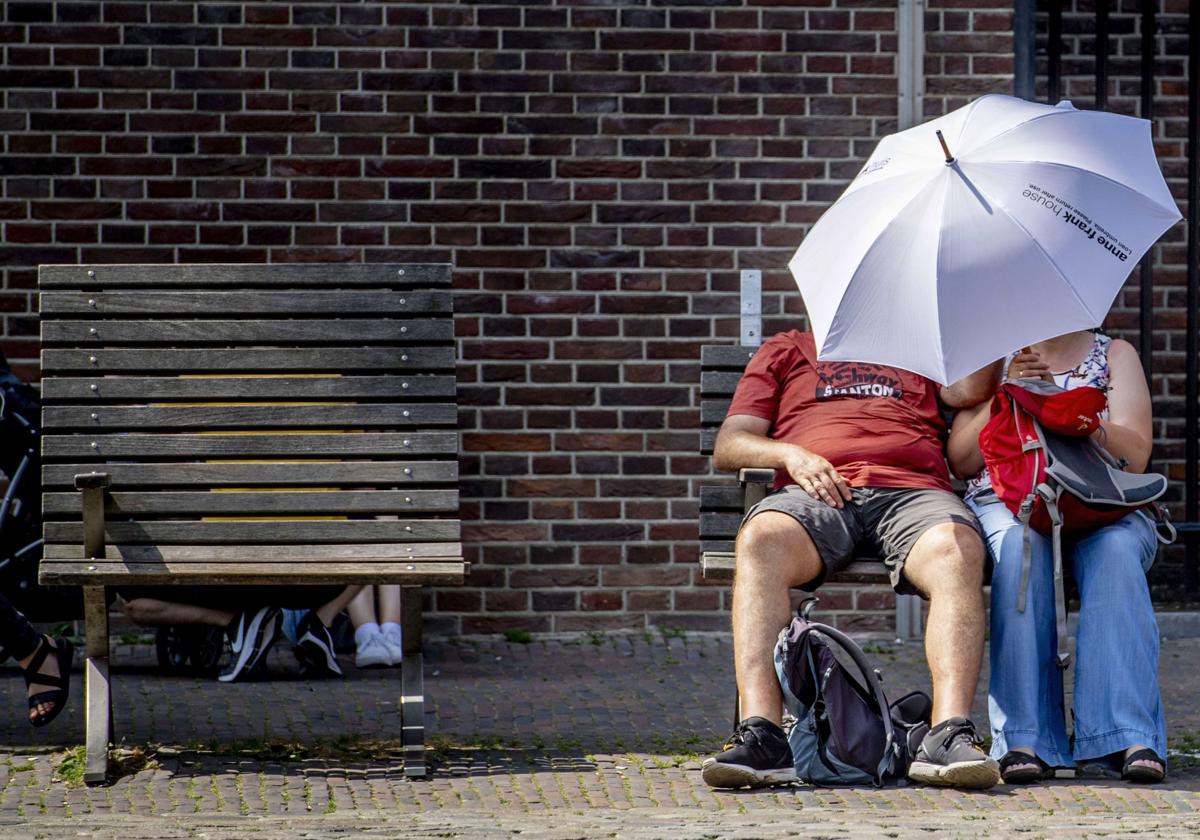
(857, 380)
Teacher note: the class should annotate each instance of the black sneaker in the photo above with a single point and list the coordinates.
(950, 756)
(251, 635)
(756, 755)
(314, 648)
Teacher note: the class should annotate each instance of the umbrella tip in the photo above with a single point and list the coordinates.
(945, 148)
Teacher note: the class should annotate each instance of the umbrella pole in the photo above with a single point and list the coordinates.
(945, 148)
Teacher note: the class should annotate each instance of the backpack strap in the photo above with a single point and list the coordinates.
(1050, 495)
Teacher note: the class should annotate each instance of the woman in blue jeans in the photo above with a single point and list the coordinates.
(1118, 710)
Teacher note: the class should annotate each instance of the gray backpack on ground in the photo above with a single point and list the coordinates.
(845, 731)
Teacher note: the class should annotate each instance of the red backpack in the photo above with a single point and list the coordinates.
(1048, 471)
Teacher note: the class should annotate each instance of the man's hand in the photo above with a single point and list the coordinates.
(1029, 365)
(817, 477)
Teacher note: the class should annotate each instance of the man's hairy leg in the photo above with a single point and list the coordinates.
(946, 564)
(774, 553)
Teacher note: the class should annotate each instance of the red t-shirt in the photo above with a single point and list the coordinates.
(879, 426)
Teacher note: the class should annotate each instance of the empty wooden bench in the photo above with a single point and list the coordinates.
(249, 424)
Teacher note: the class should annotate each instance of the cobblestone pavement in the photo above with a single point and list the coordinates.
(600, 737)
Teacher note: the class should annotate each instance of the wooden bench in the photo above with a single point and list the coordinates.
(249, 424)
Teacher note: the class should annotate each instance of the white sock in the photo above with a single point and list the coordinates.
(365, 631)
(390, 627)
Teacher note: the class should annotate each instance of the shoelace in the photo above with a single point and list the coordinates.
(961, 731)
(739, 736)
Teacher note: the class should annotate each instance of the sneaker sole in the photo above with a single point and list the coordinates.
(372, 662)
(262, 632)
(720, 775)
(316, 656)
(976, 775)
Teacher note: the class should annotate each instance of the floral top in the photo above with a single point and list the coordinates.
(1093, 371)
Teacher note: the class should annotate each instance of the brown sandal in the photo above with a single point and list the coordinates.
(1022, 768)
(1141, 773)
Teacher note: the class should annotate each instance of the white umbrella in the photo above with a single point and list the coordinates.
(1003, 223)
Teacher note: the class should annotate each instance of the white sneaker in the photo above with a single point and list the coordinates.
(372, 653)
(391, 638)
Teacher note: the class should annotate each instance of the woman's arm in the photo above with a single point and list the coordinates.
(1129, 431)
(962, 450)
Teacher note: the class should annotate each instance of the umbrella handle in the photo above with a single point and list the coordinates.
(945, 148)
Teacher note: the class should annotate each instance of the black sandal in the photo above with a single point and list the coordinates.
(1140, 773)
(60, 685)
(1022, 768)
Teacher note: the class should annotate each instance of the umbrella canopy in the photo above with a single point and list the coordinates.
(1018, 222)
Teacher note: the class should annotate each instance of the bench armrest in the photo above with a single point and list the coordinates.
(756, 475)
(93, 485)
(756, 483)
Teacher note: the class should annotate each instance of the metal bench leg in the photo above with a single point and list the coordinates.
(412, 701)
(96, 688)
(908, 617)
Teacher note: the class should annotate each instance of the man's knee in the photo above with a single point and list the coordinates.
(775, 545)
(949, 554)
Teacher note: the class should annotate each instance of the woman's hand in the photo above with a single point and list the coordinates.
(817, 477)
(1028, 365)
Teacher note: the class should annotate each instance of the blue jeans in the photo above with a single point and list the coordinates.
(1116, 698)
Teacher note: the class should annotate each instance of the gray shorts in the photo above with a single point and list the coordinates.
(882, 521)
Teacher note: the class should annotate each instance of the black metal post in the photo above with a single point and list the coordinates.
(1024, 69)
(1101, 54)
(1146, 296)
(1054, 52)
(1191, 572)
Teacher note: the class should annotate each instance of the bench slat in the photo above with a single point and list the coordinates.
(70, 572)
(293, 331)
(239, 275)
(729, 356)
(264, 531)
(247, 304)
(720, 525)
(714, 383)
(278, 502)
(315, 445)
(721, 498)
(720, 566)
(712, 412)
(141, 389)
(339, 553)
(219, 417)
(251, 360)
(125, 476)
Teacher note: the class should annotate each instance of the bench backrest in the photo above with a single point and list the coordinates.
(258, 422)
(721, 367)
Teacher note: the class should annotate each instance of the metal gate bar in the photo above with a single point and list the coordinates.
(1054, 52)
(1101, 55)
(1192, 506)
(1146, 295)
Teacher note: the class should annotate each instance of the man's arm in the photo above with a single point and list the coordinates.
(743, 442)
(975, 388)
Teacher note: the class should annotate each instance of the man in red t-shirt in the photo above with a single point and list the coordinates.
(857, 450)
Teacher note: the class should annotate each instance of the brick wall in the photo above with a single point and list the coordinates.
(597, 174)
(1170, 129)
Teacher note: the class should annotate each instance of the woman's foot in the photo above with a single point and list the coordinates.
(1020, 766)
(1143, 765)
(46, 668)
